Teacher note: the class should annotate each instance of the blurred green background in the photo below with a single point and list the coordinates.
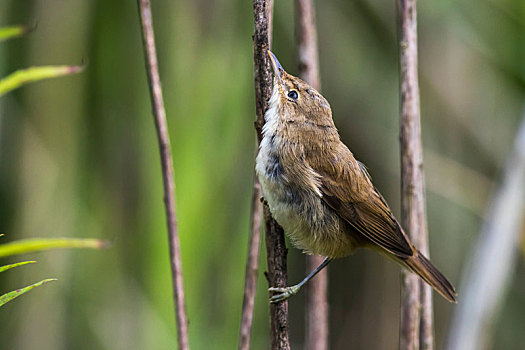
(79, 158)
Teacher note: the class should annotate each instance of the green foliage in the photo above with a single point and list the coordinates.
(12, 266)
(29, 75)
(32, 74)
(24, 246)
(37, 244)
(18, 292)
(12, 32)
(7, 84)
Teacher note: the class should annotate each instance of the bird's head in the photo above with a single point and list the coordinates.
(296, 101)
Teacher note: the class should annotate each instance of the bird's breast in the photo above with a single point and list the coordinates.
(298, 208)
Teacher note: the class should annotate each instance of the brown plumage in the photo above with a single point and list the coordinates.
(319, 193)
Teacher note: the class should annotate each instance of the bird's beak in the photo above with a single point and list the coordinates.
(277, 68)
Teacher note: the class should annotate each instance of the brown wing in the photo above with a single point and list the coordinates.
(349, 191)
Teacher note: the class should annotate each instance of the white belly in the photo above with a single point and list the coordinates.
(310, 224)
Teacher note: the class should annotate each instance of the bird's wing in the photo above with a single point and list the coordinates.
(349, 191)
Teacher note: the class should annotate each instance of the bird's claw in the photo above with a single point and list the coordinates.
(284, 293)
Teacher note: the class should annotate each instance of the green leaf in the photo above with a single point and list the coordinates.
(11, 266)
(12, 32)
(36, 244)
(16, 293)
(24, 76)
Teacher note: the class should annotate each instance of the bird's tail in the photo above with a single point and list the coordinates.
(430, 274)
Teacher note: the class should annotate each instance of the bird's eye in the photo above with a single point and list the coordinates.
(293, 94)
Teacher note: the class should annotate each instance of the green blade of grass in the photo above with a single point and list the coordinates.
(16, 293)
(12, 32)
(11, 266)
(36, 244)
(24, 76)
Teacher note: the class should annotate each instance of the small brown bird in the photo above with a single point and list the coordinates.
(319, 193)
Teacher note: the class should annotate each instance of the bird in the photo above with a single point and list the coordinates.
(321, 196)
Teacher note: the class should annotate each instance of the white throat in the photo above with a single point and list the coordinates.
(271, 117)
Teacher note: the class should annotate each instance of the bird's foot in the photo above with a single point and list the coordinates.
(284, 293)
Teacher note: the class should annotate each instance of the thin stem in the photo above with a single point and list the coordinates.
(316, 308)
(416, 329)
(159, 115)
(307, 50)
(276, 258)
(252, 261)
(252, 267)
(275, 245)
